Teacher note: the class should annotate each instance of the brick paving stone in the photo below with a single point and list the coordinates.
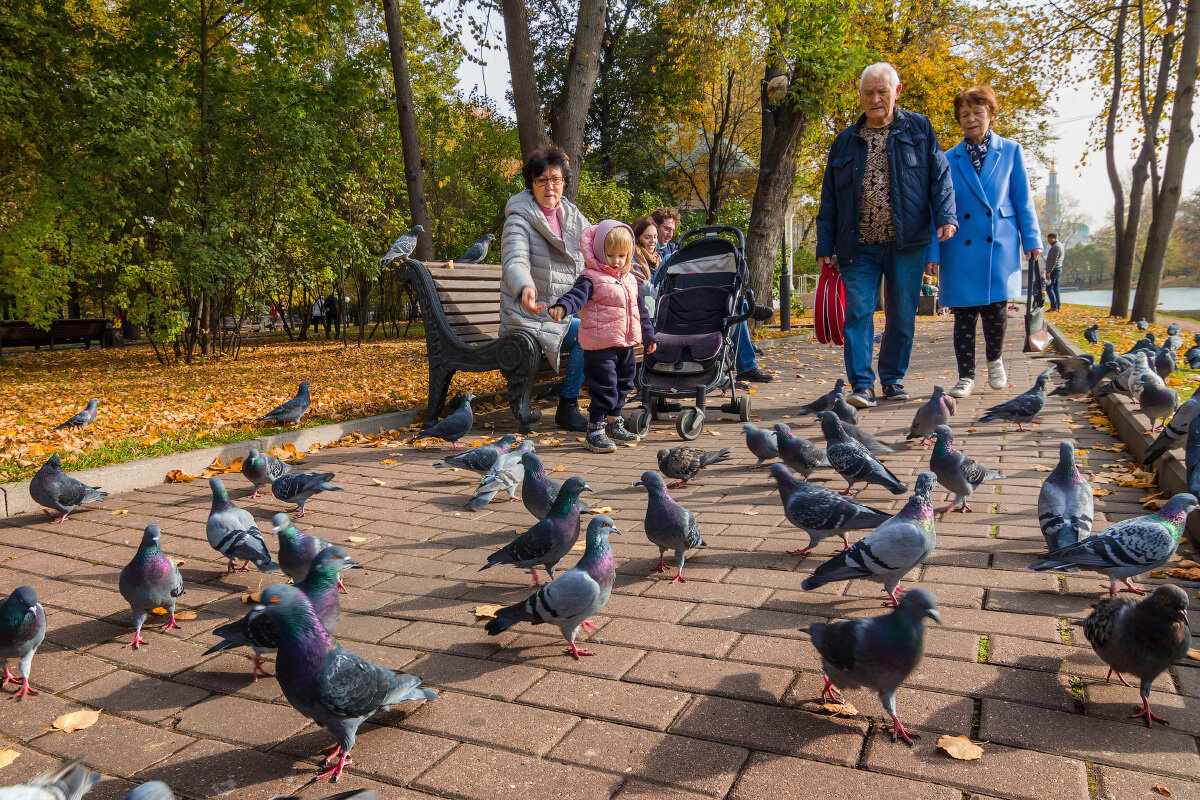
(1123, 784)
(239, 720)
(477, 719)
(1114, 701)
(776, 651)
(918, 708)
(755, 620)
(640, 790)
(476, 676)
(534, 650)
(618, 701)
(991, 680)
(210, 769)
(481, 773)
(711, 676)
(116, 746)
(782, 778)
(381, 752)
(442, 637)
(662, 636)
(139, 696)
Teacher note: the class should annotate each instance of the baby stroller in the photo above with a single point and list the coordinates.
(701, 296)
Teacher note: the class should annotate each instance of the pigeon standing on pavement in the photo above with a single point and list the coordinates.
(937, 411)
(1129, 548)
(1158, 402)
(505, 476)
(684, 463)
(403, 247)
(299, 488)
(668, 525)
(1092, 334)
(1022, 408)
(821, 512)
(538, 490)
(1175, 430)
(876, 652)
(844, 411)
(68, 782)
(852, 460)
(52, 488)
(550, 539)
(150, 581)
(763, 444)
(956, 471)
(1066, 506)
(326, 683)
(825, 401)
(572, 597)
(479, 459)
(797, 453)
(1142, 637)
(83, 418)
(291, 411)
(233, 533)
(453, 426)
(22, 629)
(297, 550)
(889, 552)
(478, 251)
(261, 469)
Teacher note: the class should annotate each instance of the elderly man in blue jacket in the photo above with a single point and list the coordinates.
(886, 195)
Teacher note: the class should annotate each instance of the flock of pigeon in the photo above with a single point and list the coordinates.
(340, 690)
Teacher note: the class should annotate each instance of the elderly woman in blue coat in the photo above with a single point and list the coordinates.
(980, 268)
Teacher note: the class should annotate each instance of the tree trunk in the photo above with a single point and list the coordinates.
(1123, 272)
(409, 141)
(526, 103)
(568, 117)
(1178, 143)
(775, 66)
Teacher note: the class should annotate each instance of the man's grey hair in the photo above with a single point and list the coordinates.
(881, 69)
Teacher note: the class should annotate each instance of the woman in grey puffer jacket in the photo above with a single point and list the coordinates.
(541, 258)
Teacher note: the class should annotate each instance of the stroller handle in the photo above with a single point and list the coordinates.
(715, 230)
(738, 319)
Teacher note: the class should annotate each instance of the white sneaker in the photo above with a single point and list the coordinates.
(962, 388)
(997, 377)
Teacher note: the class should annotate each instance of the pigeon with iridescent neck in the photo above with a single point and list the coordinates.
(1192, 356)
(538, 490)
(1092, 334)
(852, 460)
(844, 411)
(403, 247)
(550, 539)
(479, 459)
(52, 488)
(1158, 402)
(297, 550)
(937, 411)
(261, 469)
(956, 471)
(797, 453)
(821, 512)
(669, 526)
(84, 418)
(1066, 507)
(150, 581)
(1022, 408)
(762, 443)
(22, 629)
(478, 251)
(233, 533)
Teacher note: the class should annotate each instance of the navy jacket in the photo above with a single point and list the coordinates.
(921, 188)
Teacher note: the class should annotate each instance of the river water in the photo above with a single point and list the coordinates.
(1174, 299)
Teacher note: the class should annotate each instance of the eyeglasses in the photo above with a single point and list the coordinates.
(542, 183)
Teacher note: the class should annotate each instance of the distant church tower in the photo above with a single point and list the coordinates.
(1053, 212)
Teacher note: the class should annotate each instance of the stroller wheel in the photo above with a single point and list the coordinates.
(743, 409)
(640, 421)
(690, 424)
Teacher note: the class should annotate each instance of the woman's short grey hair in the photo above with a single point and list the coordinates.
(881, 69)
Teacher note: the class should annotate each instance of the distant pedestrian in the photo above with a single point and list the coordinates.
(1054, 262)
(331, 316)
(318, 313)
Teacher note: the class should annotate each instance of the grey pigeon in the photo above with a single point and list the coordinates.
(478, 251)
(889, 552)
(825, 401)
(1191, 457)
(762, 443)
(1164, 361)
(1142, 637)
(505, 476)
(1129, 548)
(1173, 343)
(876, 652)
(1173, 329)
(52, 488)
(83, 418)
(479, 459)
(684, 463)
(261, 469)
(1128, 373)
(1022, 408)
(668, 525)
(453, 426)
(1147, 342)
(1158, 402)
(297, 550)
(1192, 356)
(1175, 430)
(299, 488)
(69, 782)
(937, 411)
(150, 581)
(852, 460)
(1080, 374)
(403, 247)
(821, 512)
(956, 471)
(1142, 324)
(550, 539)
(233, 533)
(22, 629)
(291, 411)
(844, 411)
(572, 597)
(1108, 354)
(797, 453)
(154, 790)
(538, 490)
(1092, 334)
(1066, 507)
(326, 683)
(867, 439)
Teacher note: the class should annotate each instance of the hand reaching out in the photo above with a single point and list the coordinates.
(556, 312)
(529, 300)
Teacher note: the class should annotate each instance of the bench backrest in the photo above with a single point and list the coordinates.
(64, 329)
(470, 297)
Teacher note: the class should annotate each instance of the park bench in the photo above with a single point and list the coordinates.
(18, 333)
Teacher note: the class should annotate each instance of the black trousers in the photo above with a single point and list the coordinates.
(609, 374)
(995, 320)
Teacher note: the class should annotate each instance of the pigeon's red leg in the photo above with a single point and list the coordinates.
(1120, 677)
(679, 576)
(845, 542)
(1147, 714)
(894, 597)
(138, 641)
(846, 491)
(24, 690)
(255, 494)
(331, 752)
(802, 552)
(60, 519)
(245, 567)
(171, 623)
(575, 651)
(1022, 428)
(677, 485)
(9, 677)
(457, 446)
(1132, 588)
(257, 670)
(533, 572)
(588, 625)
(662, 565)
(898, 730)
(298, 511)
(335, 772)
(831, 692)
(964, 508)
(341, 586)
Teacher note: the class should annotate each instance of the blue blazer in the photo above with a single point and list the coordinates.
(997, 223)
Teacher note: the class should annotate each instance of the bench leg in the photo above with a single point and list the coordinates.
(520, 387)
(439, 386)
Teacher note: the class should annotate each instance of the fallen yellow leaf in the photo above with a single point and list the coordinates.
(559, 468)
(185, 615)
(959, 747)
(1101, 492)
(1043, 468)
(357, 539)
(160, 611)
(486, 611)
(378, 482)
(120, 511)
(388, 461)
(1193, 654)
(179, 476)
(840, 709)
(750, 512)
(251, 597)
(8, 756)
(76, 720)
(600, 510)
(1164, 791)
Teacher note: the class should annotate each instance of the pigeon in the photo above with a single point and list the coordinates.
(299, 488)
(1174, 430)
(538, 490)
(297, 550)
(1108, 354)
(1164, 362)
(572, 597)
(937, 411)
(478, 251)
(291, 411)
(821, 512)
(867, 439)
(1147, 342)
(1173, 329)
(1129, 373)
(68, 782)
(844, 411)
(852, 460)
(233, 533)
(684, 463)
(1066, 507)
(83, 418)
(262, 469)
(797, 453)
(1142, 324)
(150, 581)
(403, 247)
(668, 525)
(52, 488)
(1192, 356)
(154, 790)
(1142, 637)
(889, 552)
(1092, 334)
(1129, 548)
(1080, 374)
(1022, 408)
(956, 471)
(505, 476)
(876, 652)
(825, 401)
(550, 539)
(326, 683)
(479, 459)
(22, 629)
(762, 443)
(1191, 457)
(1158, 402)
(454, 425)
(1173, 343)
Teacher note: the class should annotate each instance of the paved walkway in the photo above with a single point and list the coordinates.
(701, 689)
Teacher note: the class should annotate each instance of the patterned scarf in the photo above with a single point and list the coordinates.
(977, 152)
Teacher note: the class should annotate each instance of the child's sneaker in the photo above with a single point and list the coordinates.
(619, 433)
(597, 440)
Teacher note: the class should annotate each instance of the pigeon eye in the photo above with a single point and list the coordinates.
(274, 600)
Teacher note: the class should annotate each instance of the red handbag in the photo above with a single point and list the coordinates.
(830, 311)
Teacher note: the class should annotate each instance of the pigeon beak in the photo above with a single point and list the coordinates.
(586, 488)
(260, 607)
(33, 609)
(352, 564)
(934, 615)
(614, 529)
(638, 483)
